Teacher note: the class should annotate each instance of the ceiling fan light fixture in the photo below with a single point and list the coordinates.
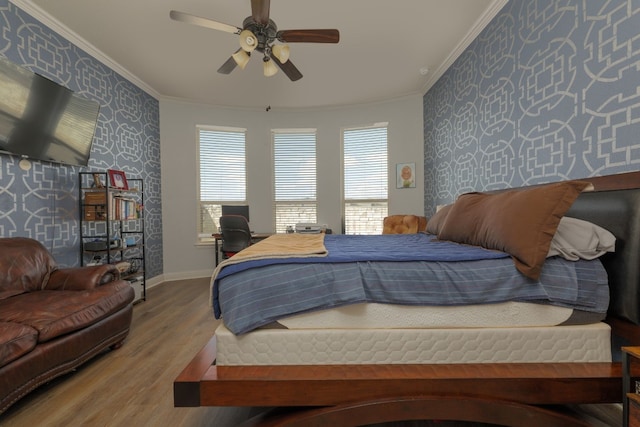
(260, 33)
(248, 41)
(241, 57)
(281, 51)
(269, 67)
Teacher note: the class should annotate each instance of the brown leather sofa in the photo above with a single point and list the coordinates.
(54, 319)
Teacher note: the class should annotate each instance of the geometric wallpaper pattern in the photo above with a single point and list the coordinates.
(42, 202)
(548, 91)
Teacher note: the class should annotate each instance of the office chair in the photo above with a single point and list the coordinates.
(236, 234)
(404, 224)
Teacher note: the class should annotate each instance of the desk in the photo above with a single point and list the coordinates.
(255, 237)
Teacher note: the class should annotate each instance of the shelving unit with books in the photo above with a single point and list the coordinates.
(112, 226)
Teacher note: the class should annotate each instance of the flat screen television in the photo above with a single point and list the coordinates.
(42, 120)
(242, 210)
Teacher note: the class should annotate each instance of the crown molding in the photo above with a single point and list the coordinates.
(55, 25)
(480, 24)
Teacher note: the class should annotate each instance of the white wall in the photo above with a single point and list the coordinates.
(183, 257)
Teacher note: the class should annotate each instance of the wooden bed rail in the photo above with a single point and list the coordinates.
(506, 390)
(186, 387)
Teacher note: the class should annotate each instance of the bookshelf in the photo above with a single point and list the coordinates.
(112, 227)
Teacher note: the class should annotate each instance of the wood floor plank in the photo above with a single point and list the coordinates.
(133, 386)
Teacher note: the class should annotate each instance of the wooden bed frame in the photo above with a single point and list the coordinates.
(504, 394)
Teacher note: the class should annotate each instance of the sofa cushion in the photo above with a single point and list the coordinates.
(15, 340)
(54, 313)
(25, 264)
(8, 293)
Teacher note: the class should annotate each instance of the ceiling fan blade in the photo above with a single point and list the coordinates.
(309, 36)
(228, 66)
(288, 68)
(260, 11)
(203, 22)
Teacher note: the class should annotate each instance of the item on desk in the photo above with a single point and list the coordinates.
(289, 229)
(310, 228)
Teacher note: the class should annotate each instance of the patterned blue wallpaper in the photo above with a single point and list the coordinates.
(42, 202)
(550, 90)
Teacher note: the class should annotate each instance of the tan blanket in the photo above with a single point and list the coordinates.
(278, 246)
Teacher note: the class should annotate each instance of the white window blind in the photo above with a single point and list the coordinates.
(366, 179)
(294, 161)
(222, 175)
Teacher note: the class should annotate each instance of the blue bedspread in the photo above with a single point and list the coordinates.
(411, 269)
(387, 247)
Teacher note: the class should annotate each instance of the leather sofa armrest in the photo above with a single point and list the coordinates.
(82, 278)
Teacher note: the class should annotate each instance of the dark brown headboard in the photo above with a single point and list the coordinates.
(615, 205)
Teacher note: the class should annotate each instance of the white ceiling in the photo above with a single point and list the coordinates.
(383, 45)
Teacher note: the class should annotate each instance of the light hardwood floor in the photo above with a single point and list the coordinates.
(133, 386)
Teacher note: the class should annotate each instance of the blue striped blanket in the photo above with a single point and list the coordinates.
(414, 269)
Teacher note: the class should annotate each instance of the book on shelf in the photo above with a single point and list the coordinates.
(120, 207)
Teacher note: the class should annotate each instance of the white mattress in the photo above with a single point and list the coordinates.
(392, 316)
(579, 343)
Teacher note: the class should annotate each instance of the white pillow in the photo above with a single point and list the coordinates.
(575, 239)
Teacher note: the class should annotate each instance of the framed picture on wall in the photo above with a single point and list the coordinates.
(406, 175)
(118, 180)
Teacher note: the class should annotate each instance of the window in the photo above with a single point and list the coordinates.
(294, 162)
(222, 175)
(366, 179)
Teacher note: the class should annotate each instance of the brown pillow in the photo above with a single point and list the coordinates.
(518, 222)
(437, 221)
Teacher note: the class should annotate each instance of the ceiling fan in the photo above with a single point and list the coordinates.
(259, 33)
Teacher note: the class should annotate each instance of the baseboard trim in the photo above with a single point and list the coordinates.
(181, 275)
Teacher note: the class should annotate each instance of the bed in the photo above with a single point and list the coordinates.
(503, 390)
